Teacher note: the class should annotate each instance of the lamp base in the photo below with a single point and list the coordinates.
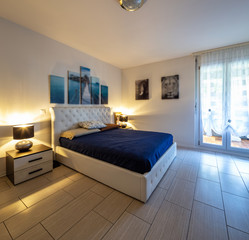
(123, 125)
(24, 145)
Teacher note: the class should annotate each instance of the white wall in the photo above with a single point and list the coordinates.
(175, 116)
(26, 61)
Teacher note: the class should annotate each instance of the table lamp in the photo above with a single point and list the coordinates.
(123, 119)
(23, 132)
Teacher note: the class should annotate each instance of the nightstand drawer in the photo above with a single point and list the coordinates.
(32, 160)
(32, 172)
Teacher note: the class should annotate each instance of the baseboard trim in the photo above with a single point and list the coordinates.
(2, 167)
(207, 149)
(2, 174)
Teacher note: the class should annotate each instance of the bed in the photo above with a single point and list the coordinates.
(137, 185)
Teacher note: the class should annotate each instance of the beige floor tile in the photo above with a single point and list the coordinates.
(147, 211)
(128, 227)
(113, 206)
(209, 173)
(11, 208)
(181, 152)
(4, 186)
(39, 194)
(22, 188)
(228, 168)
(92, 227)
(28, 218)
(171, 222)
(237, 235)
(3, 179)
(62, 220)
(192, 154)
(102, 190)
(8, 195)
(36, 233)
(80, 186)
(243, 166)
(167, 179)
(58, 172)
(4, 235)
(222, 157)
(208, 192)
(75, 176)
(192, 157)
(176, 163)
(192, 161)
(239, 158)
(169, 218)
(187, 172)
(208, 159)
(207, 223)
(233, 184)
(181, 193)
(245, 177)
(237, 211)
(6, 180)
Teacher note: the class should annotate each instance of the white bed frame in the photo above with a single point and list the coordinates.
(139, 186)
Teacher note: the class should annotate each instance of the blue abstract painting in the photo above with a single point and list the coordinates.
(94, 90)
(73, 88)
(56, 89)
(104, 94)
(85, 85)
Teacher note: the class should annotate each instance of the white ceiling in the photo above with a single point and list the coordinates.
(160, 30)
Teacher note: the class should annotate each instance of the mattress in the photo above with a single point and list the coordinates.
(134, 150)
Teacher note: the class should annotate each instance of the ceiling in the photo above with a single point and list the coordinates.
(160, 30)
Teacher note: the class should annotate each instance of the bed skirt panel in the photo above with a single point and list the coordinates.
(139, 186)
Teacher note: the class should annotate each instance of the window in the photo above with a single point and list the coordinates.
(224, 98)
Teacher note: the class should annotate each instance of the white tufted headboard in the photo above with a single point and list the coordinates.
(65, 118)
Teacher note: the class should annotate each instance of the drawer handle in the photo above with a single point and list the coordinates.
(35, 171)
(33, 160)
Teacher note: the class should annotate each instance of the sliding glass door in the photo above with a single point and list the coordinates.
(239, 105)
(224, 101)
(212, 112)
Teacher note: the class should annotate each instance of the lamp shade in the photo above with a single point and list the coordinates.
(23, 131)
(123, 118)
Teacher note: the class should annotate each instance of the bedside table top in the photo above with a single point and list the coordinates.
(35, 149)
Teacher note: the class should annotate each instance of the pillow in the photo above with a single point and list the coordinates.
(70, 134)
(91, 124)
(109, 127)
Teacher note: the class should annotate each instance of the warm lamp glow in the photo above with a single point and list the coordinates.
(128, 111)
(19, 118)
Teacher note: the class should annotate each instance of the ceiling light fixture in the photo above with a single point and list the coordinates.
(131, 5)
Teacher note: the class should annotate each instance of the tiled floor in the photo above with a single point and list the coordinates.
(203, 196)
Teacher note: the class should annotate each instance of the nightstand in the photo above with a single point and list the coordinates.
(22, 166)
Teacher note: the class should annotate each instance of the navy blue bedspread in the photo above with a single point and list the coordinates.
(137, 151)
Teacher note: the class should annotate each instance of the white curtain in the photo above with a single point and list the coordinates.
(224, 81)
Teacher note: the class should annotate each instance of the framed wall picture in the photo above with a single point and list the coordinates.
(56, 89)
(170, 87)
(104, 94)
(94, 90)
(85, 85)
(73, 88)
(142, 89)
